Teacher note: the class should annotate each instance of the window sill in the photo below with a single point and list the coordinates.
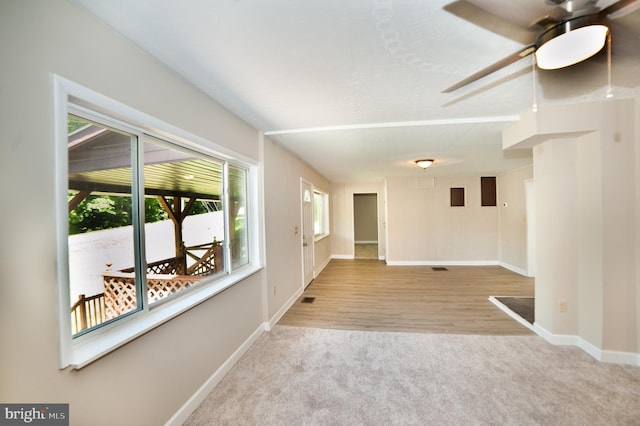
(87, 349)
(320, 237)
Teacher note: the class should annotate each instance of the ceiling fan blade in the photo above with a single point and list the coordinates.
(554, 16)
(518, 12)
(618, 6)
(497, 24)
(493, 68)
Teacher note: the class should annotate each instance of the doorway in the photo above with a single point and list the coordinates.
(365, 226)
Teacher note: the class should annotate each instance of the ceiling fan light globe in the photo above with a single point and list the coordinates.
(571, 46)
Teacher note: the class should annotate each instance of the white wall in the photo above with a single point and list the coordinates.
(555, 171)
(282, 173)
(424, 228)
(342, 227)
(589, 215)
(149, 379)
(586, 175)
(618, 145)
(513, 219)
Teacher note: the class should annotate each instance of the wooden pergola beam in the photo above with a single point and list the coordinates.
(77, 199)
(177, 215)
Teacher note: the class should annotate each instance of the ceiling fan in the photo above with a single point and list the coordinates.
(561, 33)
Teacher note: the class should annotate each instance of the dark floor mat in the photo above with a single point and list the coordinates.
(523, 306)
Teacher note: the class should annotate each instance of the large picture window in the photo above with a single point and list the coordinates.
(122, 185)
(149, 217)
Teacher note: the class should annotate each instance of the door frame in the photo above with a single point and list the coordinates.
(353, 219)
(307, 251)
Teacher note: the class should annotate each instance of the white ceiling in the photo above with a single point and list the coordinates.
(358, 82)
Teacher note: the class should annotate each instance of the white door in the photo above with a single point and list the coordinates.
(307, 231)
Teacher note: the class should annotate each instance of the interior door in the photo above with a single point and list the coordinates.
(307, 231)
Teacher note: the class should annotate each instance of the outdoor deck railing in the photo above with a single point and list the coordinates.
(87, 312)
(119, 295)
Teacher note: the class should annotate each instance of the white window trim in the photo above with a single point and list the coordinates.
(325, 215)
(87, 348)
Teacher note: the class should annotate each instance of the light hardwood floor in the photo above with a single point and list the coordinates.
(369, 295)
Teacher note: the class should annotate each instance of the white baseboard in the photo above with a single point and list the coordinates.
(616, 357)
(506, 310)
(560, 339)
(603, 355)
(343, 256)
(200, 395)
(324, 265)
(515, 269)
(442, 262)
(283, 310)
(512, 268)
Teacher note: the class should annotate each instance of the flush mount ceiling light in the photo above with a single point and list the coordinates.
(424, 163)
(570, 42)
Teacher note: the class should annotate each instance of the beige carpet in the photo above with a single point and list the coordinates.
(308, 376)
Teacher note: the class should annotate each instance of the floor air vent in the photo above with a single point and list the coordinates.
(439, 268)
(308, 300)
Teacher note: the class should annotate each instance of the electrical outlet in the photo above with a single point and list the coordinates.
(562, 306)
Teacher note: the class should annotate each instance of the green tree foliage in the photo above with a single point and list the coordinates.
(153, 211)
(74, 123)
(98, 212)
(198, 208)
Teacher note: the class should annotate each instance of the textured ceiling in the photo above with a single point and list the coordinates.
(354, 86)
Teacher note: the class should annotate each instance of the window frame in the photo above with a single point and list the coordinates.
(137, 199)
(227, 200)
(70, 97)
(325, 231)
